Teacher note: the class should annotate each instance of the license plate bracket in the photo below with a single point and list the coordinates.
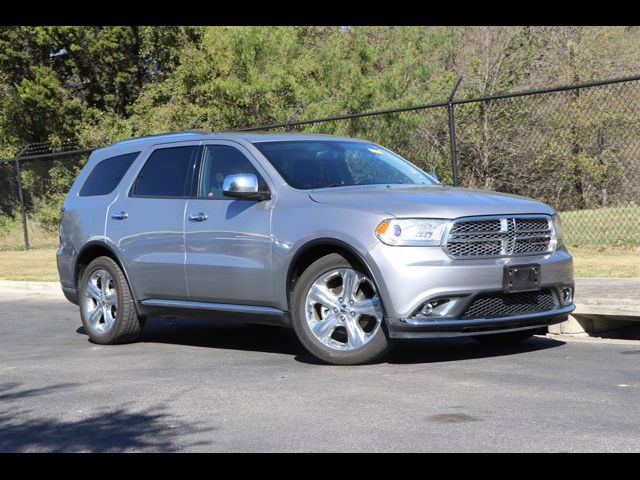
(521, 278)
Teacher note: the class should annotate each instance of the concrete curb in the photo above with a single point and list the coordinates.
(604, 307)
(49, 289)
(564, 337)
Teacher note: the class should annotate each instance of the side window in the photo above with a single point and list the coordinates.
(165, 173)
(106, 175)
(218, 161)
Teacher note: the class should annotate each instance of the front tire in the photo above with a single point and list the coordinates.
(337, 313)
(107, 308)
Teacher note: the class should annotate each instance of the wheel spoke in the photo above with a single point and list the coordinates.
(369, 306)
(325, 327)
(108, 317)
(95, 315)
(104, 281)
(93, 291)
(355, 334)
(350, 282)
(111, 298)
(322, 295)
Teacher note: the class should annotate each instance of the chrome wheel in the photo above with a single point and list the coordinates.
(343, 309)
(100, 303)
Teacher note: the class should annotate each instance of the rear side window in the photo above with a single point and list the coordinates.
(106, 175)
(166, 173)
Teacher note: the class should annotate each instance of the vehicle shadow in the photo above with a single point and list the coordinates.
(228, 335)
(269, 339)
(105, 430)
(463, 348)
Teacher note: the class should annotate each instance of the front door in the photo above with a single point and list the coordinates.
(228, 242)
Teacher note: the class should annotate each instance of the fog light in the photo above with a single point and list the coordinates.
(567, 295)
(431, 311)
(427, 309)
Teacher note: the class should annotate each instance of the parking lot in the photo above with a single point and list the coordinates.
(202, 386)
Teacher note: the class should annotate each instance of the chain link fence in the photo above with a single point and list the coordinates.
(32, 188)
(575, 147)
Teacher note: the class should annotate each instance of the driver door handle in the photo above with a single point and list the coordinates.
(198, 217)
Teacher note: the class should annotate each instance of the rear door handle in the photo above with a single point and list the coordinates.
(198, 217)
(120, 215)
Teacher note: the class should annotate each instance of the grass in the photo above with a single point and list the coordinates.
(604, 242)
(611, 262)
(34, 265)
(614, 227)
(38, 264)
(12, 236)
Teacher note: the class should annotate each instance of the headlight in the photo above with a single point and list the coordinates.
(411, 231)
(557, 226)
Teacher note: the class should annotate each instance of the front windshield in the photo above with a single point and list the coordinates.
(308, 164)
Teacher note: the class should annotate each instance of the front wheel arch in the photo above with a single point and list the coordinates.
(316, 249)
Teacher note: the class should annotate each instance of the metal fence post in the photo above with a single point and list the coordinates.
(452, 134)
(292, 117)
(21, 199)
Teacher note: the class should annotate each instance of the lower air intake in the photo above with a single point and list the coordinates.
(495, 305)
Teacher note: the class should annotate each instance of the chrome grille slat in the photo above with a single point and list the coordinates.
(501, 236)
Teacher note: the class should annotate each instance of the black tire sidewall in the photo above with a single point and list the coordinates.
(370, 352)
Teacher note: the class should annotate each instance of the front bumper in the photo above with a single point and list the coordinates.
(407, 277)
(478, 326)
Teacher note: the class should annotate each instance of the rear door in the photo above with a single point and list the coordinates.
(147, 225)
(228, 240)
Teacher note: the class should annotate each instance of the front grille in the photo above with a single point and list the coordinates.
(499, 304)
(493, 237)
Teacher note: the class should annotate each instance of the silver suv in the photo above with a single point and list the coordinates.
(341, 239)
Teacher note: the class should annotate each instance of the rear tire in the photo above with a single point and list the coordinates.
(341, 321)
(507, 338)
(107, 308)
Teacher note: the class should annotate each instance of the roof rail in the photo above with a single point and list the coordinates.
(167, 134)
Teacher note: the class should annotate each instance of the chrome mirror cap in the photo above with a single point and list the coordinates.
(243, 185)
(240, 183)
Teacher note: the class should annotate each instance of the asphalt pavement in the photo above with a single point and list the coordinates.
(195, 385)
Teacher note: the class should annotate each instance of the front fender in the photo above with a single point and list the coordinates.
(308, 226)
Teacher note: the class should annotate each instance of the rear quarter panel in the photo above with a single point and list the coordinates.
(83, 220)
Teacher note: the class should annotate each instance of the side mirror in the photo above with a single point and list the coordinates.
(243, 185)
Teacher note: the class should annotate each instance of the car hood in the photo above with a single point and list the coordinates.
(435, 201)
